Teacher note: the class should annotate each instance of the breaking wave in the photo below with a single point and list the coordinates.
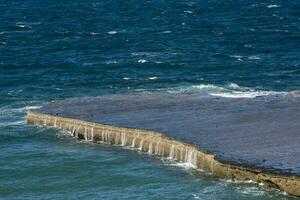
(231, 90)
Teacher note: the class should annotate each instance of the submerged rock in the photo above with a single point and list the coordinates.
(243, 138)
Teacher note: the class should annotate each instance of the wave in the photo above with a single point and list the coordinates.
(14, 116)
(112, 32)
(231, 90)
(11, 111)
(94, 33)
(22, 25)
(273, 6)
(142, 61)
(13, 123)
(25, 108)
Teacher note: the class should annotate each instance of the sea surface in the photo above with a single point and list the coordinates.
(59, 49)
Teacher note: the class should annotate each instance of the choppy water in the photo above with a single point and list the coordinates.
(59, 49)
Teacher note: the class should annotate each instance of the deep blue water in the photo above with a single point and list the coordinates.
(58, 49)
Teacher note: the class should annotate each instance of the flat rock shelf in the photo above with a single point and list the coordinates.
(237, 138)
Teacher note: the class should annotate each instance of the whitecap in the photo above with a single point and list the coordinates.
(240, 94)
(254, 58)
(111, 62)
(6, 111)
(32, 107)
(15, 123)
(239, 58)
(233, 86)
(188, 11)
(126, 78)
(166, 32)
(94, 33)
(202, 88)
(141, 53)
(206, 86)
(231, 90)
(26, 108)
(21, 25)
(152, 78)
(196, 196)
(146, 53)
(273, 6)
(142, 61)
(112, 32)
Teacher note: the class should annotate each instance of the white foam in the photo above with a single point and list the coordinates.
(253, 191)
(126, 78)
(273, 6)
(238, 57)
(239, 94)
(231, 90)
(32, 107)
(183, 165)
(188, 11)
(15, 123)
(206, 86)
(152, 78)
(22, 25)
(196, 196)
(284, 193)
(112, 32)
(111, 62)
(233, 86)
(22, 109)
(94, 33)
(142, 53)
(142, 61)
(254, 58)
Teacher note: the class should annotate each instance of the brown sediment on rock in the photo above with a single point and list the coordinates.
(158, 144)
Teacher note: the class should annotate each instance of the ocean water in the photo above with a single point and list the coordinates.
(59, 49)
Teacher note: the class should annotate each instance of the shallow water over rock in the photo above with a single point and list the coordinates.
(261, 132)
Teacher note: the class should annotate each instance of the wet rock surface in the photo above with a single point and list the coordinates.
(261, 132)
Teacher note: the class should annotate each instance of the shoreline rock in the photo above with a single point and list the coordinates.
(159, 144)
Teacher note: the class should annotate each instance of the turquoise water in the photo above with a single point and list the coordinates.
(58, 49)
